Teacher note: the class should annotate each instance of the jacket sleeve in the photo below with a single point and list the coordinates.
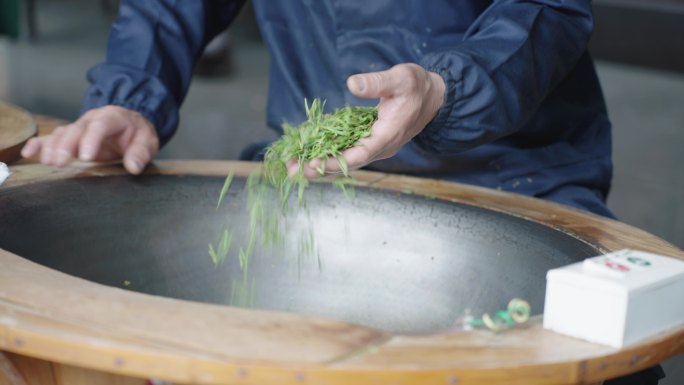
(509, 60)
(152, 49)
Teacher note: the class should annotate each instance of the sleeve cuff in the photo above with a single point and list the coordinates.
(432, 135)
(131, 89)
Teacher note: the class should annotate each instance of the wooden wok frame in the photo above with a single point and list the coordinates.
(61, 327)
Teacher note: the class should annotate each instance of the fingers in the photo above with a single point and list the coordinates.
(32, 147)
(49, 145)
(91, 140)
(65, 146)
(104, 134)
(368, 149)
(141, 150)
(67, 142)
(44, 146)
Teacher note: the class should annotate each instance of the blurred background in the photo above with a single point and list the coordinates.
(46, 47)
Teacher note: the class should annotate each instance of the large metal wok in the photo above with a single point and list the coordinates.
(390, 260)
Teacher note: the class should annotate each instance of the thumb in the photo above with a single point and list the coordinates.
(372, 84)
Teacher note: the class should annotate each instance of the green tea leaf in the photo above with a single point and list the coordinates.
(226, 186)
(322, 136)
(224, 245)
(343, 165)
(213, 255)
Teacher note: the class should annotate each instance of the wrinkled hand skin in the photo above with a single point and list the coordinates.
(103, 134)
(410, 97)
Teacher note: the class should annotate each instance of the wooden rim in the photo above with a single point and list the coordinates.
(16, 128)
(50, 315)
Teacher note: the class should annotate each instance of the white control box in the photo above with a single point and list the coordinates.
(616, 299)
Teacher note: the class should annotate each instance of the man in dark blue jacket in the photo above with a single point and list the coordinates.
(501, 94)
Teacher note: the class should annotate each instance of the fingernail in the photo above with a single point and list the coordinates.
(359, 83)
(136, 166)
(86, 154)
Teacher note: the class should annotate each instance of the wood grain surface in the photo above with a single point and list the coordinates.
(9, 374)
(16, 127)
(34, 371)
(52, 316)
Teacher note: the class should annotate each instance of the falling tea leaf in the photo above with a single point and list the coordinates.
(321, 137)
(226, 187)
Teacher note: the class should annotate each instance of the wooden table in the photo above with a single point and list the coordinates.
(16, 127)
(58, 329)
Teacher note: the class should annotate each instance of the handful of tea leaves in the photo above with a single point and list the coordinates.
(321, 136)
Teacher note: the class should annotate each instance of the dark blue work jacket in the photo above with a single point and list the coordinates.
(523, 109)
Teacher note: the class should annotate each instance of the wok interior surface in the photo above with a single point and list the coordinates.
(398, 262)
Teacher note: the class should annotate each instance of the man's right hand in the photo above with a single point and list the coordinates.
(103, 134)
